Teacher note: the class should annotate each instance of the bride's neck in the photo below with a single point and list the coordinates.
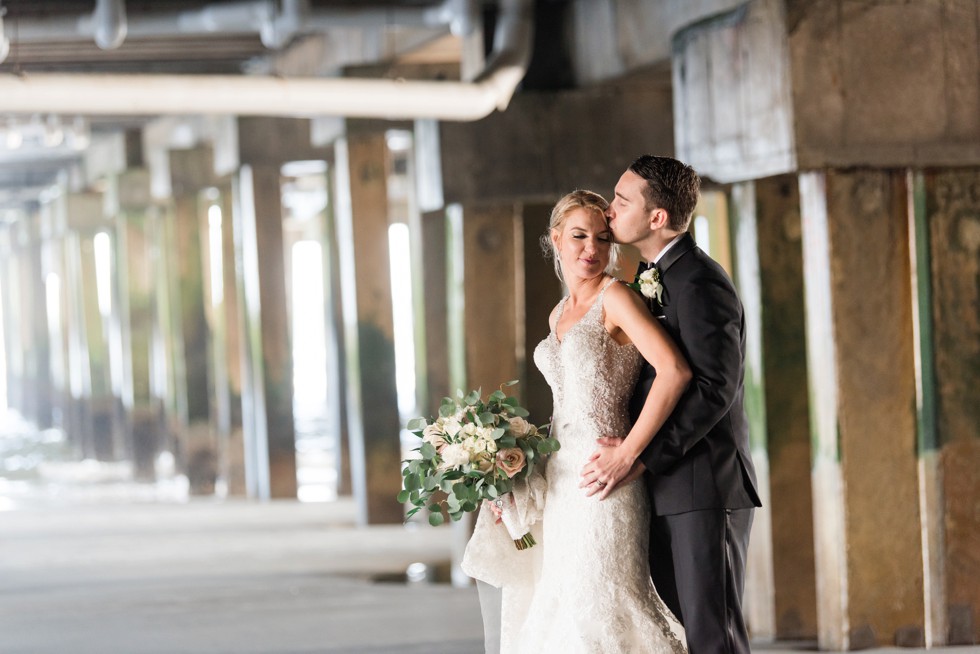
(585, 289)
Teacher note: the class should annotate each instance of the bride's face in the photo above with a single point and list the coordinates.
(583, 244)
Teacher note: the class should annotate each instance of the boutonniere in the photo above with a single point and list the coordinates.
(648, 285)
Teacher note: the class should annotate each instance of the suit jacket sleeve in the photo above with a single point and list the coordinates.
(709, 325)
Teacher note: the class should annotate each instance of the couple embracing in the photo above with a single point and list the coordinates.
(648, 505)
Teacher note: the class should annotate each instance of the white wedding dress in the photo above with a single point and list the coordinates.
(594, 594)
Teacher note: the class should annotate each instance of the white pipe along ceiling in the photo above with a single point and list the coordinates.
(151, 95)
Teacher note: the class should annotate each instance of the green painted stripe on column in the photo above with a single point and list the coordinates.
(456, 300)
(928, 437)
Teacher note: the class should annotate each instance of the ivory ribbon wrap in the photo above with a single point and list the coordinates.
(491, 555)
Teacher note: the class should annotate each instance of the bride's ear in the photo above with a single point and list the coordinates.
(555, 239)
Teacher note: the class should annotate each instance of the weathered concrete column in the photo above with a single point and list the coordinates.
(492, 295)
(372, 406)
(541, 292)
(267, 385)
(948, 253)
(782, 320)
(336, 352)
(144, 418)
(29, 374)
(10, 295)
(759, 605)
(190, 172)
(862, 410)
(231, 455)
(435, 320)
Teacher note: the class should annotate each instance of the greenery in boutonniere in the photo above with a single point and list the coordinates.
(648, 285)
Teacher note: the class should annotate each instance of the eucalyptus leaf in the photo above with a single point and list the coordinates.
(427, 451)
(436, 519)
(412, 482)
(403, 496)
(416, 424)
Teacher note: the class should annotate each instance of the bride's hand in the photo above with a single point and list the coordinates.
(608, 468)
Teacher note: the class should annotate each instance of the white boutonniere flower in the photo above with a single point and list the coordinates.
(649, 286)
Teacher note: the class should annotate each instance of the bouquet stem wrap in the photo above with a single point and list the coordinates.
(518, 531)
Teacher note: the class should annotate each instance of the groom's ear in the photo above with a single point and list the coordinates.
(659, 219)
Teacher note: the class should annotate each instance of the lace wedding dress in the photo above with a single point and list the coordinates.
(594, 594)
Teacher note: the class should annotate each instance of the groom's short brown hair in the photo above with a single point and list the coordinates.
(672, 185)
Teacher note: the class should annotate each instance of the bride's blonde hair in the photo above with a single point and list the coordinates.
(579, 199)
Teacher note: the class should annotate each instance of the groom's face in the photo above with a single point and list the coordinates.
(628, 217)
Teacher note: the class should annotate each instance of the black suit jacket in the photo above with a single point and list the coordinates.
(700, 457)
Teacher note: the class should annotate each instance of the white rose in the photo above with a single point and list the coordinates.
(650, 285)
(469, 429)
(451, 427)
(454, 455)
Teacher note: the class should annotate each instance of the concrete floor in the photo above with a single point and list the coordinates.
(132, 577)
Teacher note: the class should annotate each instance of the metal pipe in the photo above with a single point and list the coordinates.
(150, 95)
(246, 17)
(109, 19)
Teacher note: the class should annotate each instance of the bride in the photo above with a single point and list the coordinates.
(591, 591)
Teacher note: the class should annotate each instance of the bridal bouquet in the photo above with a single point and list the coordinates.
(475, 450)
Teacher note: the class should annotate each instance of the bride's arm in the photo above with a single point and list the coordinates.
(626, 313)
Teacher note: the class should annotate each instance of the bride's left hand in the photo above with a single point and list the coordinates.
(608, 468)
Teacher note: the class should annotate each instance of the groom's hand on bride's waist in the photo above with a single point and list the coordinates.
(609, 468)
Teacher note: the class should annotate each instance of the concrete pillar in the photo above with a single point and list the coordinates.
(97, 416)
(860, 360)
(435, 320)
(372, 407)
(541, 292)
(10, 296)
(28, 369)
(947, 225)
(267, 384)
(144, 419)
(190, 172)
(336, 352)
(759, 604)
(782, 320)
(228, 358)
(492, 295)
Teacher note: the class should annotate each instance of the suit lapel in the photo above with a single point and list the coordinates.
(678, 250)
(682, 247)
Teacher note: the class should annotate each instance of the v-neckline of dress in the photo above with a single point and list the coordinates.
(561, 311)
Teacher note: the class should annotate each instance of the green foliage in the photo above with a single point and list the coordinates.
(473, 451)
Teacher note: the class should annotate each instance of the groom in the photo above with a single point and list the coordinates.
(698, 469)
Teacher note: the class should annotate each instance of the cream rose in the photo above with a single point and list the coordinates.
(511, 460)
(519, 427)
(433, 434)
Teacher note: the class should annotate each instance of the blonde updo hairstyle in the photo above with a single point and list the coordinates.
(579, 199)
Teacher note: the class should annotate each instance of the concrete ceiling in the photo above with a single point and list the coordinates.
(318, 38)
